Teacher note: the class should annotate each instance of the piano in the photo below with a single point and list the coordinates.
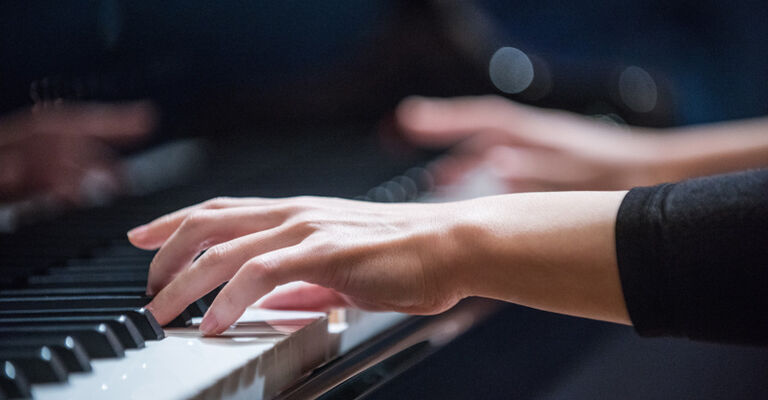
(72, 322)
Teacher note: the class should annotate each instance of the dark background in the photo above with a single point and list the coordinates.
(295, 61)
(268, 70)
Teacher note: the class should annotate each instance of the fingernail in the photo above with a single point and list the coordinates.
(209, 324)
(137, 232)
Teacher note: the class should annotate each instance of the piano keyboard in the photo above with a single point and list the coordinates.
(78, 329)
(72, 322)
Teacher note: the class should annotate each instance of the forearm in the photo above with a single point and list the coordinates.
(710, 149)
(551, 251)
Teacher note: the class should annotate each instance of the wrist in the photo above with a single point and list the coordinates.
(551, 251)
(482, 238)
(652, 160)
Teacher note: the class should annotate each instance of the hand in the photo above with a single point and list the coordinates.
(52, 149)
(400, 257)
(530, 149)
(553, 251)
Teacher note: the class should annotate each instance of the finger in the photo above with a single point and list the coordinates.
(440, 122)
(152, 235)
(526, 169)
(213, 268)
(302, 296)
(452, 168)
(203, 229)
(259, 276)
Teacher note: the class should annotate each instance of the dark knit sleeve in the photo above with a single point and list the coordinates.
(693, 258)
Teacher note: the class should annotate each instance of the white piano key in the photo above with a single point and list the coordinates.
(265, 352)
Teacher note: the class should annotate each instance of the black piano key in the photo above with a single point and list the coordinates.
(71, 302)
(75, 291)
(179, 322)
(14, 383)
(70, 351)
(39, 364)
(89, 280)
(98, 339)
(121, 250)
(97, 269)
(208, 298)
(144, 320)
(145, 260)
(196, 309)
(122, 326)
(182, 320)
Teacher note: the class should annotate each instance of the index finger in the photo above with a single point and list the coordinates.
(214, 267)
(152, 235)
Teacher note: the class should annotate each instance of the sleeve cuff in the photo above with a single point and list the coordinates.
(642, 267)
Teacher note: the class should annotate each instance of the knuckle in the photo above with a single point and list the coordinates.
(301, 199)
(217, 202)
(302, 203)
(196, 219)
(303, 225)
(216, 254)
(167, 219)
(261, 270)
(290, 209)
(225, 299)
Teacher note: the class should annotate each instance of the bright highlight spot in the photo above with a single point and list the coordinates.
(511, 70)
(638, 89)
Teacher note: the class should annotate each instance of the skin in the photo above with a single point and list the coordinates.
(51, 148)
(552, 251)
(533, 149)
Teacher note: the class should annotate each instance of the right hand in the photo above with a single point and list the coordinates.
(377, 256)
(553, 251)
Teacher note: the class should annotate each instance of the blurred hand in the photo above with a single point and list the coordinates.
(370, 255)
(52, 149)
(530, 149)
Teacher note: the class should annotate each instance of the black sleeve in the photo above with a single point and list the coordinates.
(693, 258)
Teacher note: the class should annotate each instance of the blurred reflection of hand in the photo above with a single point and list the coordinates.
(51, 150)
(530, 149)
